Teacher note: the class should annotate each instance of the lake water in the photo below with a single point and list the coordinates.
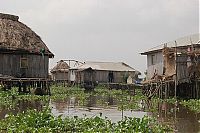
(179, 117)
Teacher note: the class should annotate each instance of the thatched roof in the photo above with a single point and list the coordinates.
(17, 37)
(61, 67)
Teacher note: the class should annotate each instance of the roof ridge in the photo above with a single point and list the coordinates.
(181, 41)
(102, 62)
(9, 16)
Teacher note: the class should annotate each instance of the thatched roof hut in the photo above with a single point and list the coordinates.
(60, 71)
(61, 67)
(17, 37)
(22, 51)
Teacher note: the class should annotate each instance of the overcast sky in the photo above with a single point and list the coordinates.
(106, 30)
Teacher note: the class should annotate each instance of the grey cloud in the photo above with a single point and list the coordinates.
(106, 30)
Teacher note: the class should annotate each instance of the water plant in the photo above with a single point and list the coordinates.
(192, 104)
(101, 96)
(44, 121)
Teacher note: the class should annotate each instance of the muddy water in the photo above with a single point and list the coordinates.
(179, 117)
(94, 106)
(22, 105)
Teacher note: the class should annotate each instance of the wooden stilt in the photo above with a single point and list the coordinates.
(166, 90)
(197, 91)
(161, 89)
(19, 86)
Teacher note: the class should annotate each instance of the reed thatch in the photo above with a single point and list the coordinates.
(16, 36)
(61, 67)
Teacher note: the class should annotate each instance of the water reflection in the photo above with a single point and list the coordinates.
(93, 106)
(180, 118)
(22, 105)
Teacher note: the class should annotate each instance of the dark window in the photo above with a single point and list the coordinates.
(110, 77)
(24, 63)
(153, 59)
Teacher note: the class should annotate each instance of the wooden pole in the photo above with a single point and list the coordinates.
(161, 89)
(122, 105)
(197, 89)
(165, 90)
(168, 89)
(175, 69)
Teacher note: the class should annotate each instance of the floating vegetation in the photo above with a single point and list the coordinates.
(192, 104)
(44, 121)
(11, 98)
(100, 97)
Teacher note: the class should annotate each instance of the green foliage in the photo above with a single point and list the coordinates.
(10, 99)
(192, 104)
(34, 121)
(7, 98)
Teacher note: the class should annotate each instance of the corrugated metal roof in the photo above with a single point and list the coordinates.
(184, 41)
(109, 66)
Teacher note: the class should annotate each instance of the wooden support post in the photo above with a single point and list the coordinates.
(193, 89)
(24, 86)
(166, 86)
(175, 83)
(161, 89)
(29, 86)
(158, 93)
(48, 88)
(19, 86)
(169, 89)
(197, 90)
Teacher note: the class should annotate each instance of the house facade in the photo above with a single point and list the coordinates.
(173, 69)
(105, 72)
(173, 56)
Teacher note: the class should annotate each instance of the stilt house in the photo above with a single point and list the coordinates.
(60, 71)
(177, 61)
(105, 72)
(23, 53)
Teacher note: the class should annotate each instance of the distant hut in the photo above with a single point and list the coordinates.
(86, 77)
(60, 71)
(105, 72)
(23, 53)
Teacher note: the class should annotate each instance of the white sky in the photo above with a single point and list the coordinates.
(106, 30)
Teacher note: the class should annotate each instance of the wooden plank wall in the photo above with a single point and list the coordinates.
(37, 65)
(102, 76)
(158, 66)
(60, 75)
(182, 70)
